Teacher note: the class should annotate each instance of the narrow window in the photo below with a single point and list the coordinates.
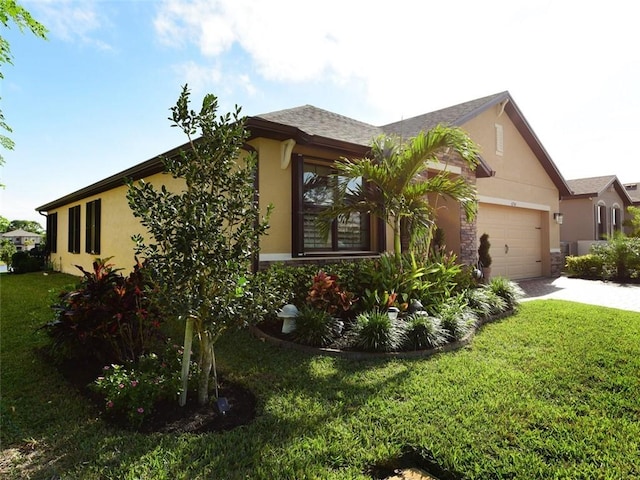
(92, 231)
(52, 233)
(74, 229)
(601, 222)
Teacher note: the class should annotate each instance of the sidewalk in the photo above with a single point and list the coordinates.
(594, 292)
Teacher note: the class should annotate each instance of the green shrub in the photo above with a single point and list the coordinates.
(108, 318)
(23, 262)
(485, 302)
(376, 332)
(585, 266)
(510, 291)
(315, 327)
(423, 332)
(620, 257)
(456, 318)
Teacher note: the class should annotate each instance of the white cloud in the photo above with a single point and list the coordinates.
(72, 21)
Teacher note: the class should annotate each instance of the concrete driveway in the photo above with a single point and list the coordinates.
(594, 292)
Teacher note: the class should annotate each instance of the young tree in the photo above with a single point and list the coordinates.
(7, 249)
(203, 238)
(634, 221)
(392, 185)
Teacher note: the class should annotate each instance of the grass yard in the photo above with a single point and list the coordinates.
(552, 392)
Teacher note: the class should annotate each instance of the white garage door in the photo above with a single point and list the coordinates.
(515, 235)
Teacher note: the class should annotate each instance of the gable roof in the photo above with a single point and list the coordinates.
(633, 189)
(596, 186)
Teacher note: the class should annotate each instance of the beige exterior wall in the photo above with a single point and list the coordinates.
(520, 181)
(118, 225)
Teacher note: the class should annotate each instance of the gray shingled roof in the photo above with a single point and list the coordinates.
(633, 189)
(591, 185)
(454, 116)
(316, 121)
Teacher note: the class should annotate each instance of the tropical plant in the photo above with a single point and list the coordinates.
(203, 239)
(509, 290)
(620, 257)
(395, 186)
(485, 302)
(376, 332)
(327, 295)
(315, 327)
(107, 318)
(457, 318)
(633, 221)
(423, 332)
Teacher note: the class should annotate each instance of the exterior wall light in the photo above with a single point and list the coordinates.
(288, 314)
(393, 313)
(558, 217)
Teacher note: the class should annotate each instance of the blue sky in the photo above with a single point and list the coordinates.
(94, 98)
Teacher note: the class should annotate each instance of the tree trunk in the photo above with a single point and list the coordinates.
(186, 360)
(206, 362)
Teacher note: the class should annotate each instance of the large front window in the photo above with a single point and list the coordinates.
(318, 192)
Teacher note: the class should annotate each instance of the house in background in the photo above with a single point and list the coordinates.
(22, 239)
(518, 184)
(633, 190)
(595, 209)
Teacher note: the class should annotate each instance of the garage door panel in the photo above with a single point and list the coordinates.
(516, 241)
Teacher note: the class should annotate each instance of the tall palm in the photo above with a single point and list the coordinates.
(392, 184)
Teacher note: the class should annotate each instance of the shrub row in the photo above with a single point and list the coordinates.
(618, 259)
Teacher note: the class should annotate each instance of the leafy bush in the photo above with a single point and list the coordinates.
(132, 391)
(585, 266)
(377, 333)
(457, 318)
(108, 318)
(423, 332)
(315, 327)
(510, 291)
(24, 262)
(620, 257)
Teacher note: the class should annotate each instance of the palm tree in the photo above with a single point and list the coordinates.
(393, 186)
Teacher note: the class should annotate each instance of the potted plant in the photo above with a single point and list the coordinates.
(484, 257)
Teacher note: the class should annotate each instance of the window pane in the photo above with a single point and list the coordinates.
(312, 237)
(354, 234)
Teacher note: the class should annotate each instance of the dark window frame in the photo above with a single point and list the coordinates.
(298, 219)
(92, 227)
(74, 229)
(52, 233)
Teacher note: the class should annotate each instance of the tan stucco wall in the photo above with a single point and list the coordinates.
(118, 225)
(520, 181)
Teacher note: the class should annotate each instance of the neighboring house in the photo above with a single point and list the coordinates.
(633, 190)
(518, 184)
(22, 239)
(595, 209)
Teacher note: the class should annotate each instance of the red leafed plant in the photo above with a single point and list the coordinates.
(325, 294)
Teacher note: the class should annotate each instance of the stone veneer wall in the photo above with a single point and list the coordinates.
(557, 263)
(468, 230)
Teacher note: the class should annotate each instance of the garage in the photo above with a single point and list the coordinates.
(515, 235)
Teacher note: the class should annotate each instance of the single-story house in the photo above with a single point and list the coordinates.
(22, 239)
(595, 209)
(519, 189)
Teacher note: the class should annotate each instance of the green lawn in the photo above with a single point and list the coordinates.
(552, 392)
